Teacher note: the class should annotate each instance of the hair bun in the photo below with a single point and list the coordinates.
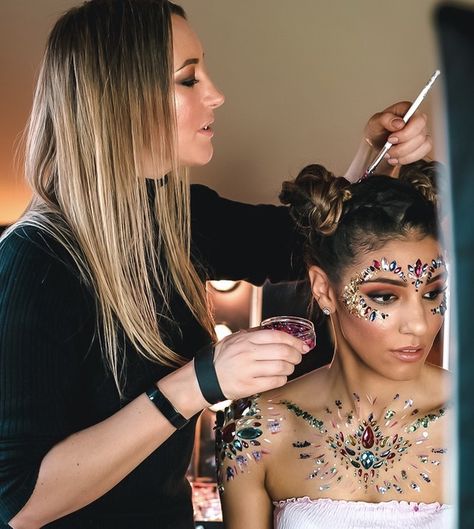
(422, 175)
(316, 198)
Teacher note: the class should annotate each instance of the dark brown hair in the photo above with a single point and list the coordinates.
(340, 219)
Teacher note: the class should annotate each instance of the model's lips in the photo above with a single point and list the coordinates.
(409, 353)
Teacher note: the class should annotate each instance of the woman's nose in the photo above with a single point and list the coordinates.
(414, 320)
(214, 98)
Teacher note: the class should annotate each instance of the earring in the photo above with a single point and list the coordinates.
(326, 311)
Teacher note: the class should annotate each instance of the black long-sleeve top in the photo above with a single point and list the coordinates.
(53, 380)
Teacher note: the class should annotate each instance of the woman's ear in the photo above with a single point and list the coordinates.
(322, 290)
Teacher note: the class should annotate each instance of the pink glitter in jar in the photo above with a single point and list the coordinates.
(299, 327)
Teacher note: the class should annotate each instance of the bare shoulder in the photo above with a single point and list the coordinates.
(437, 387)
(311, 388)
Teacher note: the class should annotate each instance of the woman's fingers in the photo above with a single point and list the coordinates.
(256, 360)
(411, 141)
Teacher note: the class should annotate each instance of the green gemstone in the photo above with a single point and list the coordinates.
(249, 433)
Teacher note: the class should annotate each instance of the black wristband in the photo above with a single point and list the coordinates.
(206, 375)
(166, 408)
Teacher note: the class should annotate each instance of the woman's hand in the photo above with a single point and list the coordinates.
(411, 140)
(256, 360)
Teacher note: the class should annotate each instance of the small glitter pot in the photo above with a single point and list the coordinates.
(299, 327)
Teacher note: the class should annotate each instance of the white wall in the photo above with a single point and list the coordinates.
(301, 77)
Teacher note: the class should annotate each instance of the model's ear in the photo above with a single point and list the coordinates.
(322, 290)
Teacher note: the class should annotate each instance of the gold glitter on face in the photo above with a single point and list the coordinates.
(356, 303)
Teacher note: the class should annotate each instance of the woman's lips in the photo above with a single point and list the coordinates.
(408, 354)
(207, 131)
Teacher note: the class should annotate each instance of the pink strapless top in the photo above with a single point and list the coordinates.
(305, 513)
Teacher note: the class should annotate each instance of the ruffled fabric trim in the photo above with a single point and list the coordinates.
(404, 504)
(324, 513)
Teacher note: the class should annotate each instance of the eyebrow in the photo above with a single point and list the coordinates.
(442, 275)
(385, 280)
(388, 281)
(187, 62)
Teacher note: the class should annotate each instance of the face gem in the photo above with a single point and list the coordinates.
(355, 302)
(274, 426)
(367, 459)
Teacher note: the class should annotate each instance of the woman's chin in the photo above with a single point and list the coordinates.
(198, 160)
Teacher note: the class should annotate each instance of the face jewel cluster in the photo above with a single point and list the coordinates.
(237, 433)
(419, 271)
(352, 298)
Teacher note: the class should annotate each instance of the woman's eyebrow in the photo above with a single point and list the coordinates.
(440, 276)
(386, 280)
(187, 62)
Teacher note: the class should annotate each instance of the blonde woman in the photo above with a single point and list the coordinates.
(102, 300)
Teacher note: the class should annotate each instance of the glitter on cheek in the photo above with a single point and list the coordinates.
(356, 303)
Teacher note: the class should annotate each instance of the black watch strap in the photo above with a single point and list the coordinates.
(166, 408)
(206, 375)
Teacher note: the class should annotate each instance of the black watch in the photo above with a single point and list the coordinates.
(166, 408)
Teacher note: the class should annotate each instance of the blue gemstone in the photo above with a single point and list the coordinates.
(237, 444)
(367, 459)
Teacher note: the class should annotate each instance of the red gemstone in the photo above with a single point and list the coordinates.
(368, 438)
(228, 432)
(418, 268)
(377, 265)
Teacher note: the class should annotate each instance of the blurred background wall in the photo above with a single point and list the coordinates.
(301, 78)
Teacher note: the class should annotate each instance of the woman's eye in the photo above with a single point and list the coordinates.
(189, 82)
(382, 298)
(434, 294)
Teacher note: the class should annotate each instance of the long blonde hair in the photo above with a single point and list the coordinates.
(104, 97)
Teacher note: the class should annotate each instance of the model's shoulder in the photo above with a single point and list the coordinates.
(441, 380)
(311, 386)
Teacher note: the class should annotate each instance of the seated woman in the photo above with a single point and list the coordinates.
(362, 442)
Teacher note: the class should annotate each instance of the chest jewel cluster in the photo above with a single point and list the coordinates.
(392, 453)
